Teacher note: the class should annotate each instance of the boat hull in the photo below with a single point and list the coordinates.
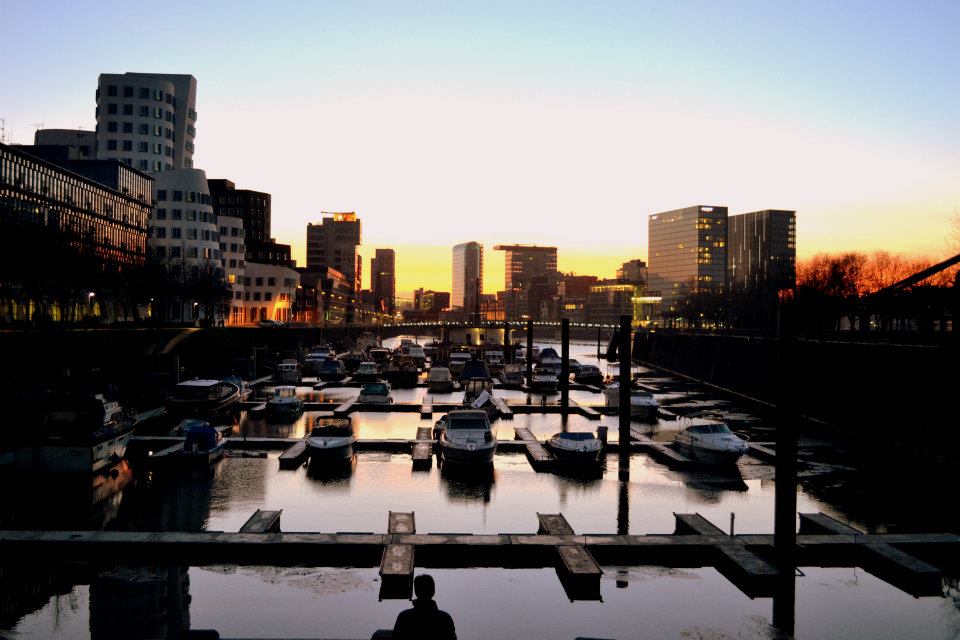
(543, 386)
(482, 455)
(204, 409)
(57, 458)
(573, 457)
(706, 455)
(443, 386)
(332, 453)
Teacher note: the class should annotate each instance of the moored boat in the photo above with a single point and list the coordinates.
(710, 442)
(575, 447)
(513, 374)
(467, 438)
(203, 443)
(78, 434)
(366, 372)
(545, 379)
(643, 405)
(284, 403)
(202, 399)
(439, 380)
(375, 393)
(331, 439)
(588, 374)
(289, 372)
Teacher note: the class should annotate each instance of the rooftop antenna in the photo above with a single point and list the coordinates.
(3, 131)
(38, 125)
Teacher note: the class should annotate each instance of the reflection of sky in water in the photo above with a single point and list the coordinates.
(299, 602)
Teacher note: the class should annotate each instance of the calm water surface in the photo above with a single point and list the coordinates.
(638, 602)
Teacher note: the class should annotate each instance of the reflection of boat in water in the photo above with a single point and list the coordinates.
(284, 403)
(78, 434)
(710, 442)
(467, 438)
(333, 473)
(468, 482)
(642, 403)
(575, 448)
(331, 439)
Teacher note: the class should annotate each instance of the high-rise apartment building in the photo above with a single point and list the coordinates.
(333, 243)
(383, 279)
(762, 250)
(687, 253)
(147, 120)
(467, 276)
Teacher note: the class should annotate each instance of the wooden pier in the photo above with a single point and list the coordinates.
(540, 459)
(578, 572)
(262, 522)
(660, 450)
(743, 559)
(422, 451)
(396, 566)
(294, 456)
(761, 451)
(426, 409)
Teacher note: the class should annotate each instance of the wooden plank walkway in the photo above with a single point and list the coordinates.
(588, 412)
(579, 573)
(540, 459)
(660, 449)
(397, 564)
(344, 409)
(262, 522)
(426, 409)
(422, 451)
(885, 561)
(701, 544)
(761, 452)
(736, 562)
(295, 456)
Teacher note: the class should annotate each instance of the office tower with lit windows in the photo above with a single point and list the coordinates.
(383, 279)
(687, 253)
(147, 120)
(530, 277)
(467, 276)
(333, 243)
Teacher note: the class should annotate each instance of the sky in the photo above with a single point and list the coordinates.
(555, 123)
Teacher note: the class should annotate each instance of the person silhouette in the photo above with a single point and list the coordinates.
(425, 621)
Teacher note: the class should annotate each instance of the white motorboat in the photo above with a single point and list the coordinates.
(375, 392)
(331, 440)
(78, 435)
(575, 447)
(467, 438)
(439, 380)
(285, 403)
(710, 442)
(643, 405)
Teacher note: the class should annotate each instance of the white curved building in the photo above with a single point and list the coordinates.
(147, 120)
(183, 233)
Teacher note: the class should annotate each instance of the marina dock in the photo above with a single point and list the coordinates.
(294, 456)
(540, 459)
(743, 559)
(660, 450)
(422, 451)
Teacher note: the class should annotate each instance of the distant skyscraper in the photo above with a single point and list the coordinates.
(333, 244)
(530, 273)
(147, 120)
(467, 276)
(688, 253)
(762, 250)
(383, 274)
(633, 271)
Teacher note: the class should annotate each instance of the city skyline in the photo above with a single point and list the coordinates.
(654, 124)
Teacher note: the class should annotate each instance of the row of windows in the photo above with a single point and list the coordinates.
(161, 251)
(145, 93)
(142, 147)
(31, 175)
(234, 247)
(145, 165)
(177, 214)
(183, 196)
(176, 233)
(234, 232)
(143, 111)
(251, 202)
(143, 129)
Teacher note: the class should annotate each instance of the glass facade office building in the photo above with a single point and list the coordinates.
(688, 252)
(762, 250)
(467, 275)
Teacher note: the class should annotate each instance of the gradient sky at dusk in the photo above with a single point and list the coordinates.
(548, 122)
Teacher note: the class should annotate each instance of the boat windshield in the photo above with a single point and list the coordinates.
(468, 423)
(578, 436)
(374, 390)
(710, 428)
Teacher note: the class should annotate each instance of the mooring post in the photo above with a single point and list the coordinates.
(598, 343)
(623, 432)
(785, 466)
(507, 346)
(565, 364)
(529, 352)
